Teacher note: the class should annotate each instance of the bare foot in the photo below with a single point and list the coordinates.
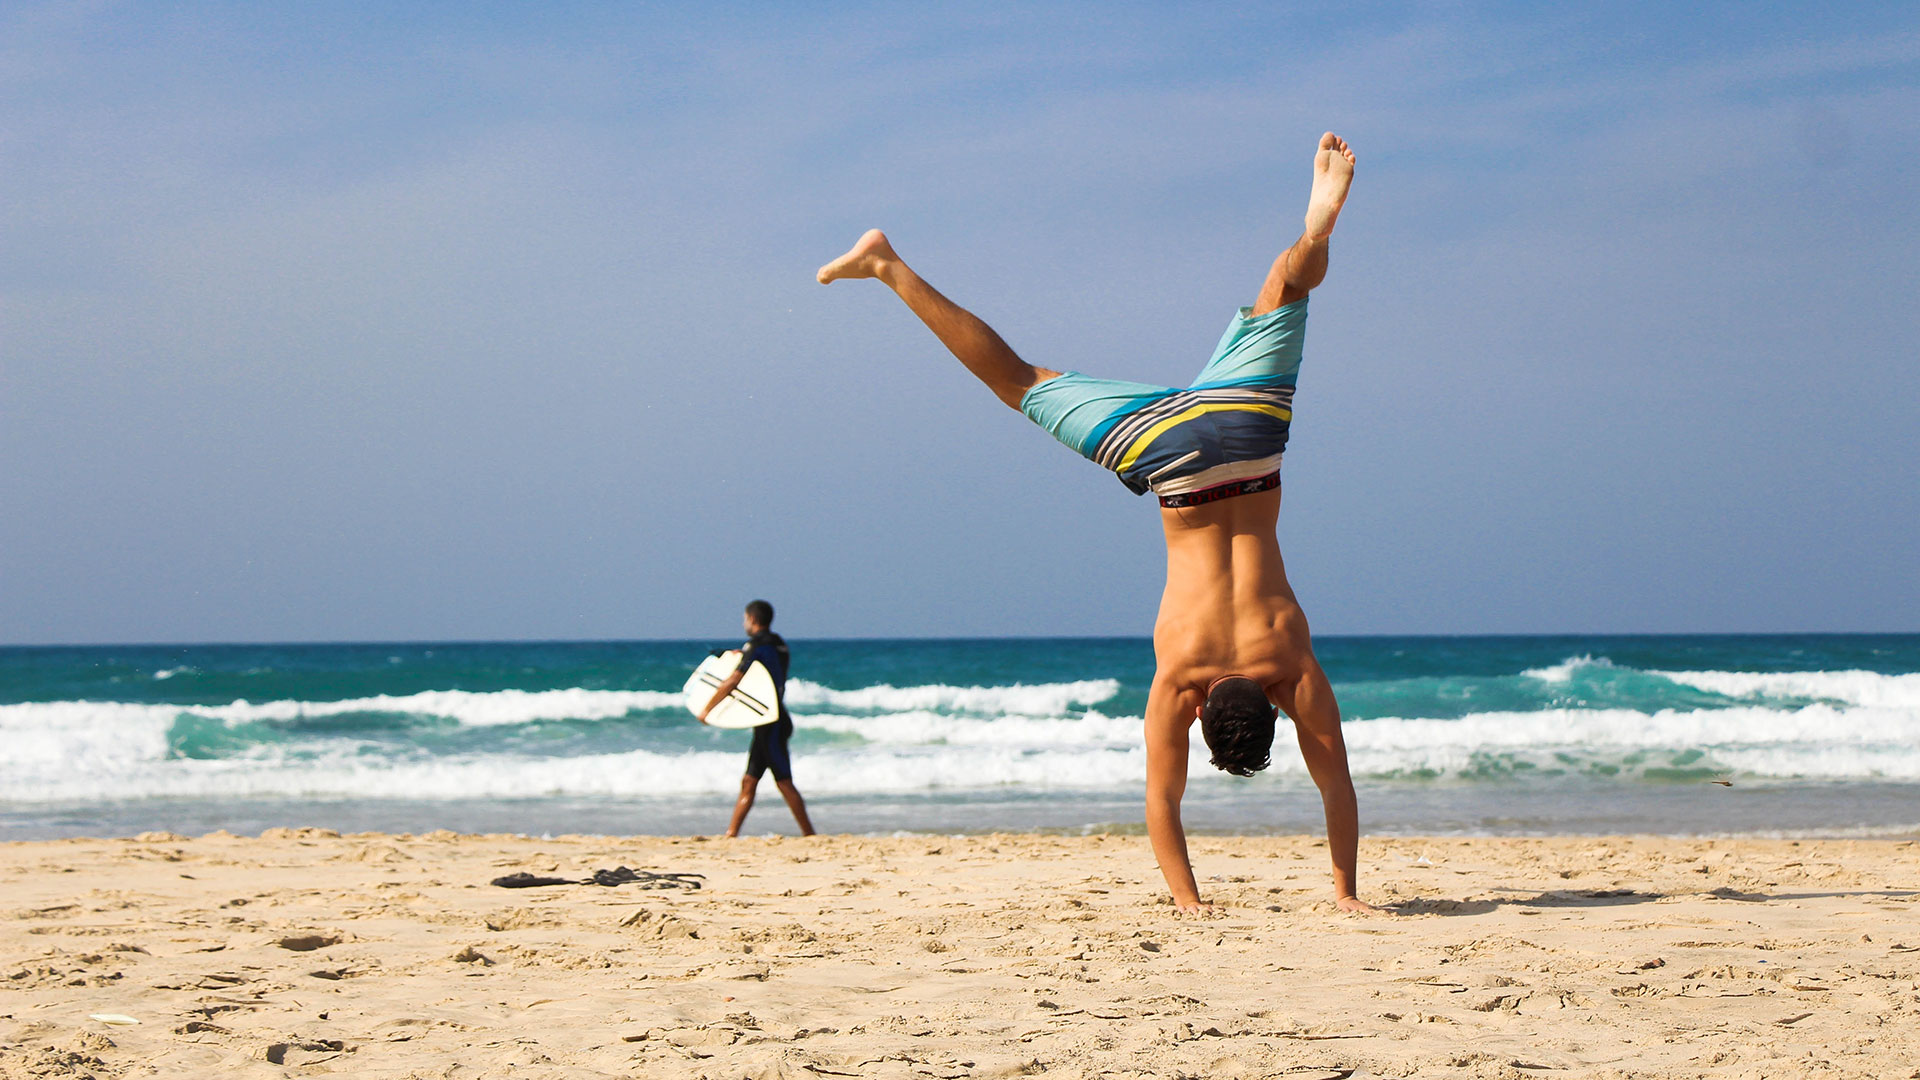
(1357, 906)
(1200, 908)
(1332, 176)
(864, 260)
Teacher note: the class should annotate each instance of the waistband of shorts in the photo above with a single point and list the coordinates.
(1229, 490)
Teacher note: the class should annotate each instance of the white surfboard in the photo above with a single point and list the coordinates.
(752, 703)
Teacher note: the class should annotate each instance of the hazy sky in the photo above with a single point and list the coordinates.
(346, 322)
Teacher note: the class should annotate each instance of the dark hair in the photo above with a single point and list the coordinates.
(760, 611)
(1237, 722)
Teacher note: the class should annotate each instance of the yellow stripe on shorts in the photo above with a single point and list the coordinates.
(1146, 437)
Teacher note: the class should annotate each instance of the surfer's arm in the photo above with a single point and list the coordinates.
(1169, 714)
(720, 693)
(748, 654)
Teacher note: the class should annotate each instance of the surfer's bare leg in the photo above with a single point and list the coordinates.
(1304, 265)
(748, 785)
(796, 804)
(972, 341)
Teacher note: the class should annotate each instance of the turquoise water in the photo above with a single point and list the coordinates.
(1817, 733)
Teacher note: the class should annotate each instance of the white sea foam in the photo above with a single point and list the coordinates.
(885, 739)
(930, 752)
(498, 707)
(1563, 671)
(1869, 688)
(1090, 731)
(473, 708)
(634, 773)
(1813, 742)
(90, 738)
(1039, 699)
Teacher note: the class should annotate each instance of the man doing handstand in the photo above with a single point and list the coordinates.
(1230, 642)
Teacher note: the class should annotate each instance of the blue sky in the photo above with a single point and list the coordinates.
(340, 322)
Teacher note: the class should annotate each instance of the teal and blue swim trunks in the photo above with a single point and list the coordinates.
(1221, 436)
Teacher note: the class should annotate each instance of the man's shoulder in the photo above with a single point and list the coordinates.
(768, 642)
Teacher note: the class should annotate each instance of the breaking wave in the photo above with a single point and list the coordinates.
(1676, 726)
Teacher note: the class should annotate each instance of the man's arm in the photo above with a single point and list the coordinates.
(1325, 753)
(719, 695)
(1326, 756)
(728, 684)
(1170, 713)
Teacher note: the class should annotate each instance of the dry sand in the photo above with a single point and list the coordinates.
(303, 952)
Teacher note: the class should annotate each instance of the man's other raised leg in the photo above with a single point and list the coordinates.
(964, 335)
(1304, 265)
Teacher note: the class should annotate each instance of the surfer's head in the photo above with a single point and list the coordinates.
(759, 616)
(1237, 723)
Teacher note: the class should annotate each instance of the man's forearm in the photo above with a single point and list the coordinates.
(1169, 713)
(720, 692)
(1170, 848)
(1343, 835)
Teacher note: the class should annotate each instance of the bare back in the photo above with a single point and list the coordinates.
(1227, 608)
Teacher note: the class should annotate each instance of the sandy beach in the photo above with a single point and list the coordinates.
(372, 955)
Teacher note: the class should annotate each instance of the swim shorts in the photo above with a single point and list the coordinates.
(1230, 425)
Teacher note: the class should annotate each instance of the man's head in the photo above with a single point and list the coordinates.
(1237, 722)
(759, 616)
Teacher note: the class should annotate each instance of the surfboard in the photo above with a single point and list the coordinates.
(752, 703)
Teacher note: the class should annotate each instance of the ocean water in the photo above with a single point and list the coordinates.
(1810, 734)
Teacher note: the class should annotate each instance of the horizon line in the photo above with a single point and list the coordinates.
(414, 642)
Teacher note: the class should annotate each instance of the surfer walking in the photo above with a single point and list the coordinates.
(1231, 645)
(769, 749)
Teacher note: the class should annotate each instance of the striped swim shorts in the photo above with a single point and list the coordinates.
(1229, 426)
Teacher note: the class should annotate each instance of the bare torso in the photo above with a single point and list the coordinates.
(1227, 608)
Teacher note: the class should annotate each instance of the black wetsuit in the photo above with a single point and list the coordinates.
(770, 740)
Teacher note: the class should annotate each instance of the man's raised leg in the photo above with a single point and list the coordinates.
(964, 335)
(1304, 265)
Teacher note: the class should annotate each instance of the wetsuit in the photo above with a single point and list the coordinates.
(769, 749)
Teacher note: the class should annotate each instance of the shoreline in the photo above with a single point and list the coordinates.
(1115, 830)
(1260, 808)
(302, 951)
